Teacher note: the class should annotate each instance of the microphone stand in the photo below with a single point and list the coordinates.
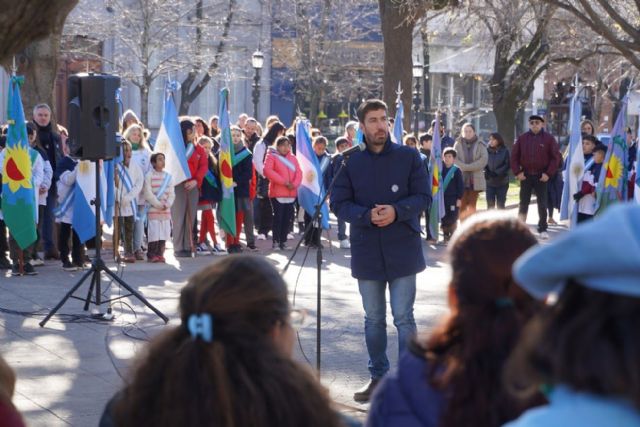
(315, 221)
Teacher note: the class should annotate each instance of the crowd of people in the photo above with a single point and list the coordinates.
(521, 345)
(151, 208)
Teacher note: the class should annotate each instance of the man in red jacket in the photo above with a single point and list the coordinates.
(534, 158)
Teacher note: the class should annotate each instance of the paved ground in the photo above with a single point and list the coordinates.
(70, 368)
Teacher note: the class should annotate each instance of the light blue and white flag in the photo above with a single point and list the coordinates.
(84, 211)
(310, 191)
(397, 123)
(170, 142)
(574, 170)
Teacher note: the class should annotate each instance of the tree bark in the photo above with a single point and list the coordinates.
(24, 22)
(39, 65)
(187, 91)
(397, 35)
(506, 111)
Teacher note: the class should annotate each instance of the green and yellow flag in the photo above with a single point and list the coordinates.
(227, 217)
(18, 194)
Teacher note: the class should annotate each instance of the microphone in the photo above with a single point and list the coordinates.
(354, 149)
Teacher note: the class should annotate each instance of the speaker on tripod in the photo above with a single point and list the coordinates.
(93, 126)
(93, 116)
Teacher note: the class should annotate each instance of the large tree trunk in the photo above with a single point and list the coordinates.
(506, 111)
(189, 93)
(397, 35)
(39, 65)
(144, 104)
(23, 22)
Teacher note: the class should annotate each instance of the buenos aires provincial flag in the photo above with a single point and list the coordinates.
(435, 176)
(310, 191)
(18, 194)
(227, 215)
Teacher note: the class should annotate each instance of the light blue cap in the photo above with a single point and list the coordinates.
(603, 254)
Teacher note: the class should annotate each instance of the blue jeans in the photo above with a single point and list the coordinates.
(342, 229)
(403, 294)
(497, 194)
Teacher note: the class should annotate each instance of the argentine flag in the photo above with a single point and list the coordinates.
(397, 123)
(311, 191)
(84, 210)
(170, 142)
(574, 171)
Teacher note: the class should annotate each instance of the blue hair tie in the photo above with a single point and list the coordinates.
(201, 325)
(504, 302)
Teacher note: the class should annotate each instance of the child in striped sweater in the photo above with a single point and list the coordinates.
(160, 194)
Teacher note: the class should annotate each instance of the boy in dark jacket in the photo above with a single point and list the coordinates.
(242, 173)
(426, 143)
(342, 144)
(453, 186)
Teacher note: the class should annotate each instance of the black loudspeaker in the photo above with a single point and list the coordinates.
(93, 116)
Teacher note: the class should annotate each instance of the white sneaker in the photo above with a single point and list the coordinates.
(344, 244)
(217, 250)
(543, 235)
(290, 236)
(36, 262)
(261, 237)
(202, 250)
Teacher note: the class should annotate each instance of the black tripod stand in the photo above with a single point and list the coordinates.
(97, 267)
(315, 221)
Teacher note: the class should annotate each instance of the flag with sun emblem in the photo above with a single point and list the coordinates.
(311, 191)
(18, 196)
(227, 217)
(612, 185)
(435, 174)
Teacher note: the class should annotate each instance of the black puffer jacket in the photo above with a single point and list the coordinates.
(496, 172)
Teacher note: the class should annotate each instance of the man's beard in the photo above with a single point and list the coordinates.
(378, 138)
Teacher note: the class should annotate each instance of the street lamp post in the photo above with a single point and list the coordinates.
(418, 72)
(257, 61)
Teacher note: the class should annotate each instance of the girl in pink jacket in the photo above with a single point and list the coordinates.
(282, 170)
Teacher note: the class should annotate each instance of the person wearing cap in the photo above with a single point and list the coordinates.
(586, 197)
(583, 350)
(534, 159)
(445, 140)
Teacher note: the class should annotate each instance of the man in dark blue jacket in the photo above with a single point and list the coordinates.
(381, 192)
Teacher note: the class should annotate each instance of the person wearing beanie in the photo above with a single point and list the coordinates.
(582, 348)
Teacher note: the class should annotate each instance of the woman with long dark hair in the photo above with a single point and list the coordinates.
(453, 378)
(229, 362)
(583, 348)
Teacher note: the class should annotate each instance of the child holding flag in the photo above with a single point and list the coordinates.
(140, 155)
(65, 174)
(282, 170)
(453, 192)
(210, 196)
(129, 187)
(586, 197)
(159, 193)
(242, 173)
